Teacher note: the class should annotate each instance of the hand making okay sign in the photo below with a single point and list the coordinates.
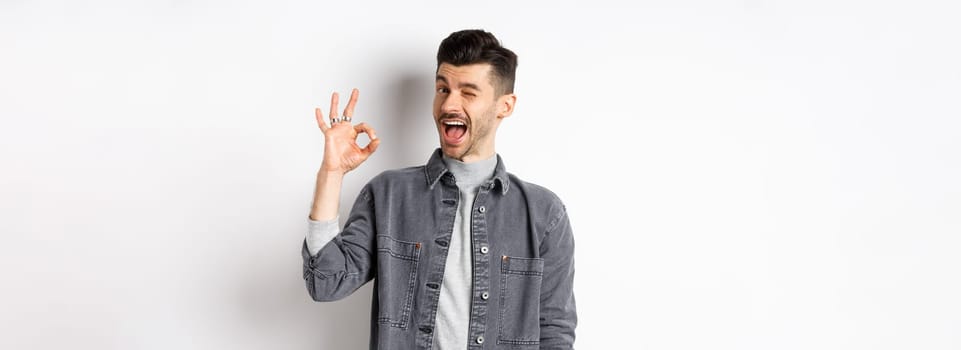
(341, 151)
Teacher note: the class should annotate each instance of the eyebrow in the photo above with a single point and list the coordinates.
(461, 85)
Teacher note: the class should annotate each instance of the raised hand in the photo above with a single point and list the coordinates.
(341, 151)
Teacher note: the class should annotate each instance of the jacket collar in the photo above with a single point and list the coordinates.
(435, 170)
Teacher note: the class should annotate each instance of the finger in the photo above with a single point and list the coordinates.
(334, 98)
(320, 119)
(374, 141)
(349, 111)
(365, 128)
(371, 147)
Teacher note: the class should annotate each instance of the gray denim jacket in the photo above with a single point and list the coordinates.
(397, 234)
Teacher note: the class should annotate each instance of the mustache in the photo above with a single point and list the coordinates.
(452, 116)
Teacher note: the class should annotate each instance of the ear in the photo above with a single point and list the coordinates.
(505, 105)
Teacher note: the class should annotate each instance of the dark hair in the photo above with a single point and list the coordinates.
(472, 46)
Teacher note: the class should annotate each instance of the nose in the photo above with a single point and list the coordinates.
(450, 105)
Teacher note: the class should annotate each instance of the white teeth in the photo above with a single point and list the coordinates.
(453, 122)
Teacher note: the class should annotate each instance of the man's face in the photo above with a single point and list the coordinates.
(467, 110)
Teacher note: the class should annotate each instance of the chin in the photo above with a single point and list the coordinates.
(449, 151)
(452, 151)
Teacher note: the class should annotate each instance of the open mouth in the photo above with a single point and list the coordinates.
(454, 131)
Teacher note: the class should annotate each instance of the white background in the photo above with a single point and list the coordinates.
(739, 174)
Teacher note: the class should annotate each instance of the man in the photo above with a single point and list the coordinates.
(463, 254)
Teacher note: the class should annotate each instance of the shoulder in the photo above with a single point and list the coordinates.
(402, 175)
(531, 189)
(544, 207)
(537, 196)
(392, 180)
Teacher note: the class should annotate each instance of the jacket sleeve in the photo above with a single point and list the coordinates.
(347, 262)
(558, 316)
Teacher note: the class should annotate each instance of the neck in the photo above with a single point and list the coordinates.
(474, 154)
(471, 173)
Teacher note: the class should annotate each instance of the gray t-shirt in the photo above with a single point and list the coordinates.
(453, 307)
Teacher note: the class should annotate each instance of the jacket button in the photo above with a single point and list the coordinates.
(480, 340)
(485, 295)
(441, 242)
(484, 250)
(482, 209)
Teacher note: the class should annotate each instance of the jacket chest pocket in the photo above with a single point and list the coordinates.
(520, 300)
(396, 277)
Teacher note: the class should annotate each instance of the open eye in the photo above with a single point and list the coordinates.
(443, 90)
